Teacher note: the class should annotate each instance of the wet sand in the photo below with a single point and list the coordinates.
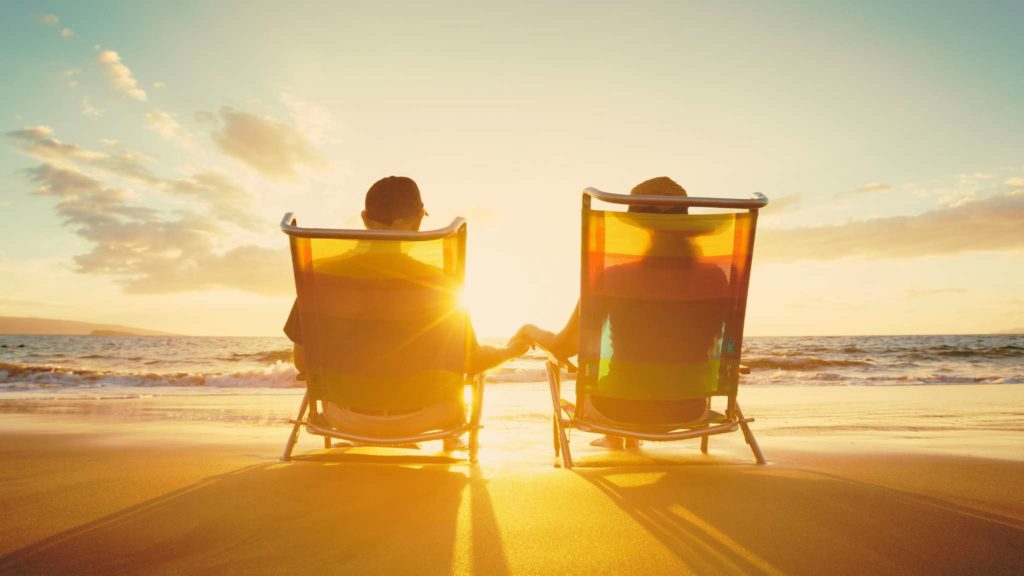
(908, 480)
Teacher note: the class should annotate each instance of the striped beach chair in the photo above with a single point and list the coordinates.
(386, 342)
(662, 303)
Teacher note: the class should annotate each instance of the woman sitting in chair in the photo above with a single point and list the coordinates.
(649, 328)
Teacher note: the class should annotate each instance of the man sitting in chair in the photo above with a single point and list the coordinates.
(650, 329)
(394, 203)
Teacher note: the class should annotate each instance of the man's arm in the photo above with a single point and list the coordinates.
(487, 357)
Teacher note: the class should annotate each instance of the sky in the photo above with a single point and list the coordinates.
(148, 151)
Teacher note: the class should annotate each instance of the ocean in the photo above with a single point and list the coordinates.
(100, 365)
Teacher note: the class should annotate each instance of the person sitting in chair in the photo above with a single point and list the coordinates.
(422, 323)
(649, 328)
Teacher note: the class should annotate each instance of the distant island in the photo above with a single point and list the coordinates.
(53, 326)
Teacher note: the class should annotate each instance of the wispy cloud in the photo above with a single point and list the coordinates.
(145, 249)
(783, 203)
(70, 74)
(1015, 182)
(88, 109)
(317, 123)
(226, 199)
(53, 21)
(993, 223)
(272, 148)
(40, 143)
(925, 292)
(120, 75)
(164, 124)
(976, 176)
(873, 187)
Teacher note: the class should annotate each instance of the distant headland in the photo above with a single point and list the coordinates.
(25, 325)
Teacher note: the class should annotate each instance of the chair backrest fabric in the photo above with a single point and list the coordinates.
(662, 304)
(382, 325)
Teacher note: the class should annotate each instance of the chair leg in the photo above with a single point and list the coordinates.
(748, 435)
(554, 434)
(474, 444)
(561, 440)
(704, 444)
(474, 418)
(296, 425)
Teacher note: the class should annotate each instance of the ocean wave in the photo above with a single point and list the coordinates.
(26, 376)
(1009, 351)
(802, 363)
(266, 356)
(947, 352)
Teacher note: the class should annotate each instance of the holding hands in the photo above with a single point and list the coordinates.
(518, 344)
(537, 337)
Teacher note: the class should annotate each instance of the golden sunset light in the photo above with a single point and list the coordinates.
(511, 288)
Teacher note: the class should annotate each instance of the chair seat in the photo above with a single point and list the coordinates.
(709, 418)
(448, 416)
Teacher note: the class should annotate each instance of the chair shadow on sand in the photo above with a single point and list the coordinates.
(719, 517)
(337, 512)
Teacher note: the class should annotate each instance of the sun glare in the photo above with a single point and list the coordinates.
(468, 301)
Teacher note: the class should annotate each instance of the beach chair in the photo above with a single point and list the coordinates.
(662, 304)
(385, 340)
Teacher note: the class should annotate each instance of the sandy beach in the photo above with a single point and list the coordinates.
(894, 480)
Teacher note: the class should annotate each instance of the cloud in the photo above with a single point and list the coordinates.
(164, 124)
(783, 203)
(88, 109)
(993, 223)
(120, 76)
(272, 148)
(316, 122)
(148, 253)
(109, 142)
(32, 132)
(867, 189)
(158, 85)
(225, 198)
(1015, 182)
(924, 292)
(144, 249)
(70, 74)
(53, 21)
(38, 142)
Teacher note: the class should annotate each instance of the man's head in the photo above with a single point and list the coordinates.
(660, 186)
(394, 203)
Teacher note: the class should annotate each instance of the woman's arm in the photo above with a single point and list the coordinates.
(563, 344)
